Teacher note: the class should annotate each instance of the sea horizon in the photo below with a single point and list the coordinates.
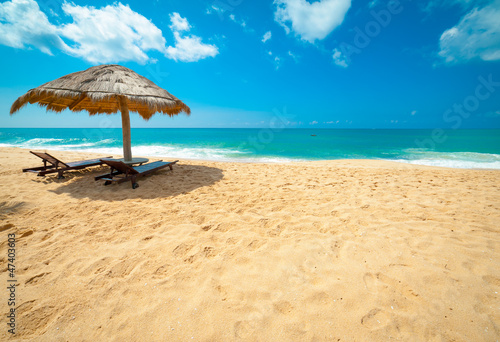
(463, 148)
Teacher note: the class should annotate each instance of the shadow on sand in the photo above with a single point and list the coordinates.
(8, 208)
(162, 184)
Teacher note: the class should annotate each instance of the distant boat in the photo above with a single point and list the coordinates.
(313, 135)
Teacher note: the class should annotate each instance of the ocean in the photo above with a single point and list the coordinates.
(451, 148)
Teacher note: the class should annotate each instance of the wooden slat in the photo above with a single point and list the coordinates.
(82, 97)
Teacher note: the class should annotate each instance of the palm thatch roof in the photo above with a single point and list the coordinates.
(99, 90)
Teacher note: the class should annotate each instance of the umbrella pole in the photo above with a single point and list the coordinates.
(127, 146)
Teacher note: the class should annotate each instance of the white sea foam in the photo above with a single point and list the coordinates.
(58, 144)
(461, 160)
(469, 160)
(160, 151)
(40, 141)
(453, 163)
(193, 153)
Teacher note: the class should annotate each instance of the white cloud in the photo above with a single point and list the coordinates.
(23, 24)
(242, 23)
(477, 35)
(190, 49)
(339, 59)
(266, 36)
(313, 122)
(294, 57)
(414, 112)
(215, 9)
(179, 23)
(277, 62)
(310, 21)
(111, 34)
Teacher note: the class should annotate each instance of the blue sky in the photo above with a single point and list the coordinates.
(242, 63)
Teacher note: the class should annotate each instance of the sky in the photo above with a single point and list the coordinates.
(255, 64)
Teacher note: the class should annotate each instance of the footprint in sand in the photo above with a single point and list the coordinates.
(209, 252)
(161, 271)
(243, 329)
(372, 283)
(34, 280)
(375, 319)
(206, 228)
(97, 267)
(27, 233)
(35, 319)
(376, 283)
(6, 226)
(492, 280)
(181, 250)
(122, 268)
(255, 244)
(283, 307)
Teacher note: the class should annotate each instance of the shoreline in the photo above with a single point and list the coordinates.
(341, 162)
(352, 250)
(288, 146)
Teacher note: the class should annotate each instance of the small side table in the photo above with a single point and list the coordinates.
(134, 161)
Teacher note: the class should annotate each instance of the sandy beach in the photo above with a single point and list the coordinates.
(348, 250)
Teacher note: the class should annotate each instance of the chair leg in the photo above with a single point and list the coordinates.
(60, 175)
(134, 183)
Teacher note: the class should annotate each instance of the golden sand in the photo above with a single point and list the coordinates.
(318, 251)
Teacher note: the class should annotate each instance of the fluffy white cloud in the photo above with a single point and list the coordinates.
(310, 21)
(477, 35)
(266, 36)
(190, 49)
(339, 58)
(23, 24)
(111, 34)
(179, 23)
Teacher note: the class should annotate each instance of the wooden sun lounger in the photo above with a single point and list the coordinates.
(121, 172)
(52, 165)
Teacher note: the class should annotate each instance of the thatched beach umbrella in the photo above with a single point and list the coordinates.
(105, 89)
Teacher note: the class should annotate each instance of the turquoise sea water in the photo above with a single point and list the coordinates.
(451, 148)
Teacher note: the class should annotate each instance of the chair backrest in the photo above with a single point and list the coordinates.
(49, 158)
(120, 166)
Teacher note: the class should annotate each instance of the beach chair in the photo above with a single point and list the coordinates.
(52, 165)
(121, 172)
